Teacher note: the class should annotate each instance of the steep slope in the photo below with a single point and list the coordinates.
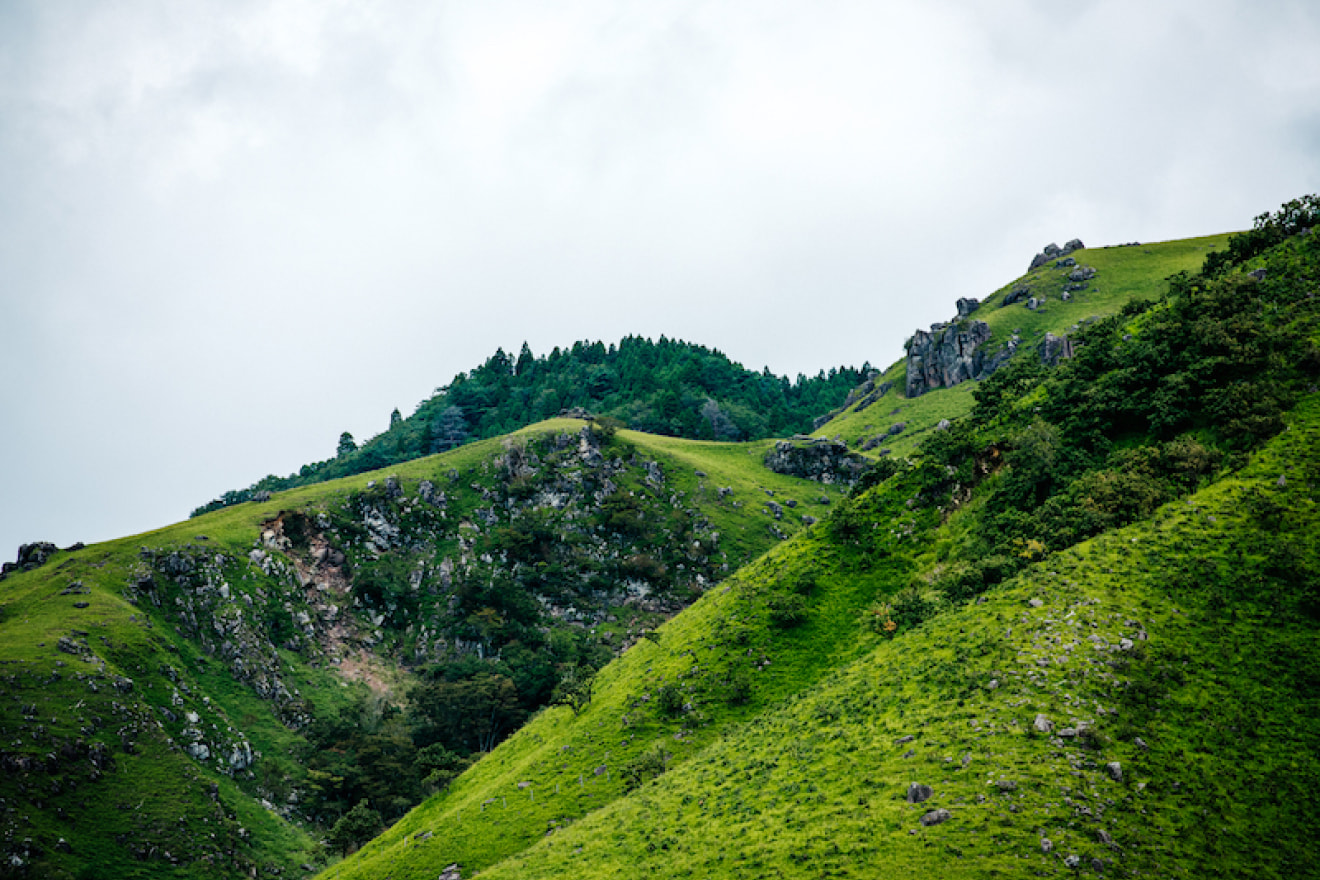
(196, 699)
(1124, 708)
(959, 616)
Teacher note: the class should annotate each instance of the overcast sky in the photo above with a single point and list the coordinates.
(231, 230)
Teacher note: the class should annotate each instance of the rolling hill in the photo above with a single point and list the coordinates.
(1063, 619)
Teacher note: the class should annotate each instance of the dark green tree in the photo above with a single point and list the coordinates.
(355, 827)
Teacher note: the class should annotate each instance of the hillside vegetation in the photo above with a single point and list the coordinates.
(1077, 633)
(1066, 622)
(665, 387)
(215, 696)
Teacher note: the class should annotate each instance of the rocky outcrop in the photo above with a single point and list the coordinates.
(1055, 348)
(30, 556)
(948, 355)
(967, 305)
(1054, 252)
(825, 461)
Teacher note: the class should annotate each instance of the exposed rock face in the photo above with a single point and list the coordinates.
(967, 305)
(1054, 252)
(948, 355)
(1055, 348)
(826, 461)
(30, 556)
(1017, 294)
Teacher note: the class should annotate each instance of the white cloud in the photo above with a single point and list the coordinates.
(233, 229)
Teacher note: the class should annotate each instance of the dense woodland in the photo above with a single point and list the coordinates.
(668, 387)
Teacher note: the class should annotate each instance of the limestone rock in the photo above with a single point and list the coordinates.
(946, 356)
(1054, 252)
(825, 461)
(1017, 294)
(1055, 348)
(1043, 724)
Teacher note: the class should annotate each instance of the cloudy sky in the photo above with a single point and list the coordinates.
(231, 230)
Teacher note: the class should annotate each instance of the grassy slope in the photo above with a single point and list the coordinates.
(1223, 695)
(137, 793)
(1124, 273)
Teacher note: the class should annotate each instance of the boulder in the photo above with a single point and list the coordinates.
(1082, 273)
(935, 817)
(1042, 724)
(967, 305)
(1017, 294)
(30, 556)
(917, 793)
(1054, 252)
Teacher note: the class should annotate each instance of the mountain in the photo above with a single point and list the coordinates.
(667, 387)
(1062, 619)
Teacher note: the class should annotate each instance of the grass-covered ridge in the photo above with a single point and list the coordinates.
(1124, 273)
(665, 387)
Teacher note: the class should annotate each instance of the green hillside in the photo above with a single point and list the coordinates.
(209, 697)
(1123, 273)
(1085, 617)
(667, 387)
(1083, 613)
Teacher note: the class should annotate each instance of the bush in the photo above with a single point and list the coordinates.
(648, 765)
(787, 611)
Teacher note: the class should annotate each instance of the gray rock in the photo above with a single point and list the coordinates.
(917, 793)
(1006, 785)
(1065, 263)
(1046, 845)
(943, 425)
(967, 305)
(946, 356)
(1104, 837)
(775, 510)
(1082, 273)
(808, 520)
(935, 817)
(825, 461)
(1055, 348)
(1035, 603)
(1043, 724)
(1017, 294)
(1071, 861)
(1115, 771)
(904, 739)
(1035, 303)
(896, 429)
(1054, 252)
(1258, 274)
